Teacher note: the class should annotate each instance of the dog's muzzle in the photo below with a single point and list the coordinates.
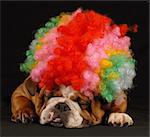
(61, 111)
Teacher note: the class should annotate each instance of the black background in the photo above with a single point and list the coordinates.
(20, 20)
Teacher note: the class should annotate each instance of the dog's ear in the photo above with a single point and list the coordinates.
(30, 86)
(77, 95)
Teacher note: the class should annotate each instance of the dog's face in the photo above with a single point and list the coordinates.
(61, 111)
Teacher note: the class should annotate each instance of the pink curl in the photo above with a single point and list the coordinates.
(91, 80)
(37, 72)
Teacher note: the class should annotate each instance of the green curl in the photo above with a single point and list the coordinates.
(108, 90)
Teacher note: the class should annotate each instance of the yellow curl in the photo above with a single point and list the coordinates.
(33, 65)
(111, 52)
(64, 19)
(102, 72)
(105, 63)
(113, 75)
(38, 47)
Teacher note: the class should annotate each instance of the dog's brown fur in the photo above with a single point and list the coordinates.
(27, 104)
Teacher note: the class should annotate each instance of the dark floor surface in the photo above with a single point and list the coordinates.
(140, 128)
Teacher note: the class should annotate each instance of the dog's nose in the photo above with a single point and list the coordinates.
(62, 107)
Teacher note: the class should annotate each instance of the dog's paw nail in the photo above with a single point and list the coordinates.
(115, 123)
(118, 124)
(110, 124)
(13, 117)
(18, 121)
(26, 120)
(126, 124)
(33, 119)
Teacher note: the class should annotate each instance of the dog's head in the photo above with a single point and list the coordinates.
(62, 107)
(63, 110)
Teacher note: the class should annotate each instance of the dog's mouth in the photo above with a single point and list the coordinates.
(57, 122)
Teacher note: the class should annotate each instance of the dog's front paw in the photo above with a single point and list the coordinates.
(25, 115)
(121, 119)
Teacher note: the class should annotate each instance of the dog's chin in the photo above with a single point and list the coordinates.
(56, 122)
(61, 112)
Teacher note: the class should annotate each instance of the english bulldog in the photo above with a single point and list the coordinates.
(65, 107)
